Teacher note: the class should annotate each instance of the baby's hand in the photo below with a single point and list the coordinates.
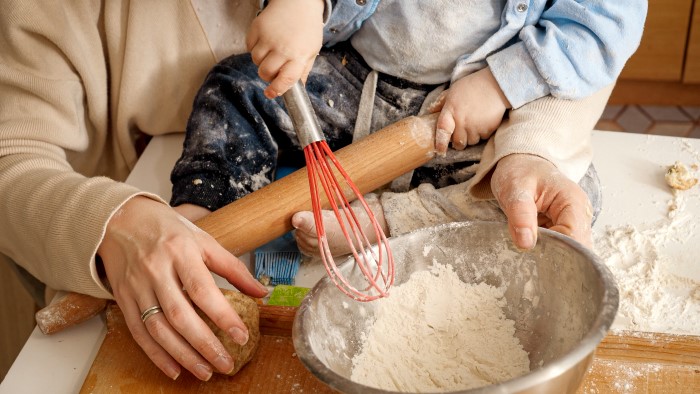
(470, 110)
(284, 41)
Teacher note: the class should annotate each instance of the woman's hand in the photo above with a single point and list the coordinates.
(284, 41)
(532, 191)
(152, 256)
(191, 212)
(470, 111)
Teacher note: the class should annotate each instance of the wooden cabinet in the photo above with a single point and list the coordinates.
(661, 53)
(692, 64)
(665, 70)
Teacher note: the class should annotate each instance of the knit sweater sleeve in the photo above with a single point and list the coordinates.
(555, 129)
(52, 218)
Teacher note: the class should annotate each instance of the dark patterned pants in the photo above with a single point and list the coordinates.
(236, 137)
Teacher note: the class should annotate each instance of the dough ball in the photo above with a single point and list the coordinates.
(678, 177)
(247, 309)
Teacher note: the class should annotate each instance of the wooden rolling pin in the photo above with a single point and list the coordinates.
(265, 214)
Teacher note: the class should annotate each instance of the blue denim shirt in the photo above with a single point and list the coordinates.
(566, 48)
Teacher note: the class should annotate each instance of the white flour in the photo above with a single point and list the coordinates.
(437, 333)
(652, 297)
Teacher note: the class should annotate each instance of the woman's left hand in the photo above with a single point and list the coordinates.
(156, 260)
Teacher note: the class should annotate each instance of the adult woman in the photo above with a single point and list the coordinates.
(80, 84)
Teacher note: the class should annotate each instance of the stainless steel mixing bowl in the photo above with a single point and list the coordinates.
(561, 296)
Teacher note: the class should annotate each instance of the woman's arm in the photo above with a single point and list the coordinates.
(55, 118)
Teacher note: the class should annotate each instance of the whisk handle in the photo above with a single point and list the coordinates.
(303, 116)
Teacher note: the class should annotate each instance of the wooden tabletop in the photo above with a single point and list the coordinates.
(624, 362)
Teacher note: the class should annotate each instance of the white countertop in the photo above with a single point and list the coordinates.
(630, 166)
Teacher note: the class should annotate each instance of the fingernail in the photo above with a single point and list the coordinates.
(442, 139)
(224, 364)
(172, 371)
(525, 237)
(238, 335)
(262, 287)
(203, 372)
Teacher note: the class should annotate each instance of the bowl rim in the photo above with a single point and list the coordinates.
(599, 329)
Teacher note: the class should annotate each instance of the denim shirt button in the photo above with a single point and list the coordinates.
(333, 30)
(361, 2)
(521, 7)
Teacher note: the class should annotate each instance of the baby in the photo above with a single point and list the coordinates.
(537, 75)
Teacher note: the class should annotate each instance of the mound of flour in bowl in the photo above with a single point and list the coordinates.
(437, 333)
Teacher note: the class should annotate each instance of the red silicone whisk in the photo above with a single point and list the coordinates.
(326, 173)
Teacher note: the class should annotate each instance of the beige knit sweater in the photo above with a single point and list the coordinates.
(79, 80)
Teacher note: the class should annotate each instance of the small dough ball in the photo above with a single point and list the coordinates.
(678, 177)
(247, 309)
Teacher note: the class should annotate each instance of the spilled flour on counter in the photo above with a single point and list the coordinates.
(437, 333)
(630, 378)
(652, 298)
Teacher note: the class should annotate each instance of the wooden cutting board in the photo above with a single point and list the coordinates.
(122, 367)
(626, 362)
(637, 362)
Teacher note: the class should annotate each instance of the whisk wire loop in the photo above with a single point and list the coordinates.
(320, 163)
(356, 227)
